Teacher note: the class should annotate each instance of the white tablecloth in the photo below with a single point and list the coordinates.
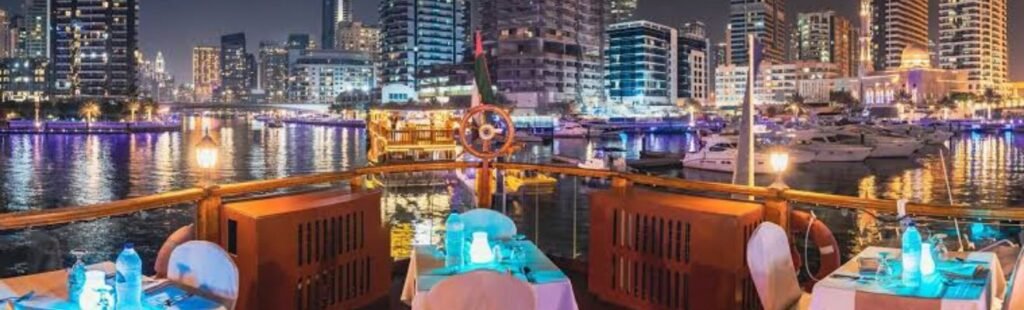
(837, 293)
(553, 289)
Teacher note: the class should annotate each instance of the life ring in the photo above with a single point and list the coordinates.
(828, 248)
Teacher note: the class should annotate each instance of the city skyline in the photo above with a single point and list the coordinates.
(174, 28)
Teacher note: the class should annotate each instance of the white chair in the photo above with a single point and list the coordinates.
(1015, 292)
(481, 290)
(182, 235)
(205, 266)
(771, 268)
(497, 225)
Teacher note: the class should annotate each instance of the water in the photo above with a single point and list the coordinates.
(128, 281)
(52, 171)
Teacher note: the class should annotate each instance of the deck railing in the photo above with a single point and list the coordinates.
(211, 197)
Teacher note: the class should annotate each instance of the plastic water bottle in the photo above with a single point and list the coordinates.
(76, 277)
(129, 279)
(911, 273)
(454, 241)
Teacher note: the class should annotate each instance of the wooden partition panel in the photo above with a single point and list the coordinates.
(651, 250)
(323, 250)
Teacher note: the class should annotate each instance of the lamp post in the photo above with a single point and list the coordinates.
(779, 161)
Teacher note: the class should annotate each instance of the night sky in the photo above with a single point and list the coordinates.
(174, 26)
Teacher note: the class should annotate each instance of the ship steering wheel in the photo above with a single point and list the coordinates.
(484, 125)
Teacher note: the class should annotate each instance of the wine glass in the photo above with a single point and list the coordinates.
(884, 272)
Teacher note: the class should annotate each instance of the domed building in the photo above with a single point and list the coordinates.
(915, 80)
(915, 57)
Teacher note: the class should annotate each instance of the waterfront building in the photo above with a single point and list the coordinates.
(973, 37)
(273, 71)
(722, 54)
(93, 48)
(694, 62)
(916, 81)
(895, 26)
(333, 12)
(320, 76)
(420, 34)
(153, 80)
(1018, 89)
(641, 67)
(826, 37)
(447, 84)
(358, 37)
(766, 20)
(23, 79)
(38, 26)
(205, 72)
(538, 58)
(621, 10)
(15, 24)
(776, 84)
(298, 43)
(6, 49)
(235, 69)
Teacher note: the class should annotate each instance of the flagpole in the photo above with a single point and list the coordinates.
(744, 172)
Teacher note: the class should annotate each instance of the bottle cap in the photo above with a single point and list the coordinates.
(129, 245)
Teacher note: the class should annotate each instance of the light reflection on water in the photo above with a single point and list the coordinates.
(47, 171)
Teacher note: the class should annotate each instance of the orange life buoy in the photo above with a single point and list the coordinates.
(828, 248)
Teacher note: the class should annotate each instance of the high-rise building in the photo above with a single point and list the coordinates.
(205, 72)
(23, 79)
(826, 37)
(694, 62)
(235, 68)
(298, 43)
(766, 20)
(273, 71)
(321, 76)
(38, 27)
(334, 12)
(973, 38)
(539, 58)
(776, 83)
(92, 47)
(359, 37)
(13, 36)
(722, 54)
(419, 34)
(153, 80)
(621, 10)
(895, 26)
(641, 66)
(6, 49)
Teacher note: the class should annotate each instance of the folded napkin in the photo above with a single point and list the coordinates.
(965, 272)
(868, 265)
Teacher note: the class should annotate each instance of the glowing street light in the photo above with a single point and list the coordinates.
(206, 155)
(779, 161)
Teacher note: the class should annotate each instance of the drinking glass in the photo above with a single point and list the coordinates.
(884, 272)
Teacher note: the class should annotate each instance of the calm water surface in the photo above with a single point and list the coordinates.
(52, 171)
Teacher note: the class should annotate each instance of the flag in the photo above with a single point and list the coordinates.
(481, 74)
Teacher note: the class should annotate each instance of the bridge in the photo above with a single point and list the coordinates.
(297, 107)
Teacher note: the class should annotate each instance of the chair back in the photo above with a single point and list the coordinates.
(497, 225)
(205, 266)
(771, 267)
(1015, 292)
(481, 290)
(182, 235)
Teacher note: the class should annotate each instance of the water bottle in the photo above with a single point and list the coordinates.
(129, 279)
(76, 277)
(911, 273)
(454, 241)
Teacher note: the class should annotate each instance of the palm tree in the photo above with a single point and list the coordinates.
(691, 106)
(89, 111)
(149, 106)
(133, 106)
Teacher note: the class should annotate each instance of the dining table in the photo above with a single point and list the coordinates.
(961, 281)
(551, 287)
(49, 291)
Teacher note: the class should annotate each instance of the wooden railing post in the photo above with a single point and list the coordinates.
(484, 192)
(208, 216)
(776, 208)
(620, 185)
(356, 184)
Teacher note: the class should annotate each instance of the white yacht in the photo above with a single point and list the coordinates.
(827, 148)
(928, 135)
(720, 152)
(594, 164)
(570, 130)
(884, 144)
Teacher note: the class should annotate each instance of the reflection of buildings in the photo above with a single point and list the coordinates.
(405, 135)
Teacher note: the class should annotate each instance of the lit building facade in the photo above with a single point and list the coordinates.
(320, 76)
(273, 71)
(776, 84)
(895, 26)
(420, 34)
(693, 62)
(826, 37)
(973, 37)
(621, 10)
(766, 20)
(154, 81)
(35, 37)
(333, 12)
(6, 48)
(538, 57)
(23, 79)
(205, 72)
(641, 65)
(357, 37)
(93, 48)
(235, 69)
(917, 80)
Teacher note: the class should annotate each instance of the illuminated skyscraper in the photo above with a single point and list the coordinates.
(973, 37)
(356, 36)
(36, 32)
(826, 37)
(622, 10)
(895, 26)
(273, 70)
(205, 72)
(235, 68)
(333, 12)
(6, 49)
(320, 76)
(766, 19)
(641, 65)
(419, 34)
(92, 47)
(694, 62)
